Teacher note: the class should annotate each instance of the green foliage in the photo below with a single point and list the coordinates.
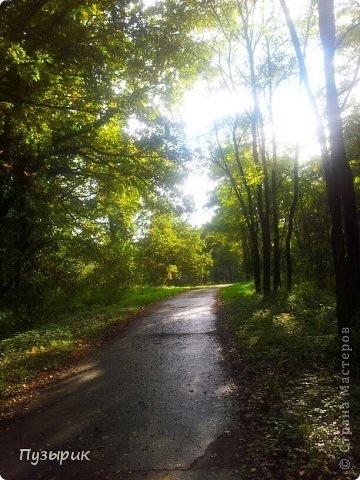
(173, 253)
(225, 245)
(84, 143)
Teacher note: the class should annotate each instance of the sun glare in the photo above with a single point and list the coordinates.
(201, 109)
(298, 8)
(198, 187)
(293, 118)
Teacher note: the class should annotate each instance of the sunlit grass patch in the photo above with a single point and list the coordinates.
(286, 321)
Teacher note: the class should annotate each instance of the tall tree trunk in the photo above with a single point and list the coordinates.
(245, 15)
(340, 166)
(275, 215)
(248, 211)
(337, 173)
(247, 258)
(266, 230)
(275, 207)
(260, 206)
(276, 232)
(255, 258)
(290, 229)
(252, 222)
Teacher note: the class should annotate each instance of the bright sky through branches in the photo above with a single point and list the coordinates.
(201, 109)
(293, 117)
(198, 187)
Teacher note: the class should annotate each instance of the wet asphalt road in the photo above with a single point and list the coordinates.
(147, 405)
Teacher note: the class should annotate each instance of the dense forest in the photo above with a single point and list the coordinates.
(90, 157)
(93, 150)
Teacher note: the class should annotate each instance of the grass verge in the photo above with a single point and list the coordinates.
(53, 341)
(288, 362)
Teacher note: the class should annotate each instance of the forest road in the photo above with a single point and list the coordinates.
(153, 404)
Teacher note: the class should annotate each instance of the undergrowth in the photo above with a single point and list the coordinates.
(289, 378)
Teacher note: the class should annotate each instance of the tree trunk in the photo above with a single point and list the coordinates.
(276, 233)
(291, 222)
(263, 213)
(255, 258)
(341, 171)
(248, 211)
(247, 258)
(275, 206)
(243, 9)
(266, 230)
(337, 173)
